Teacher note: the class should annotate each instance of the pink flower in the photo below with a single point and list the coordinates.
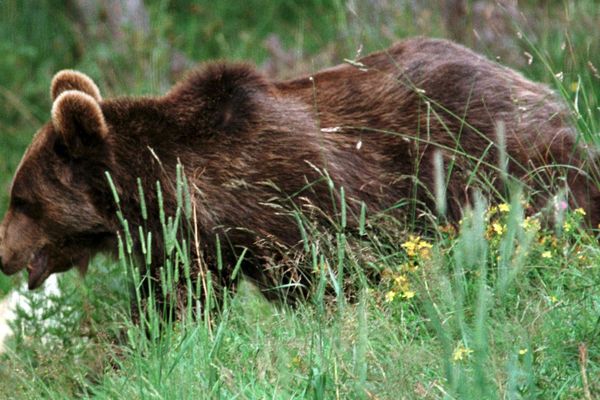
(561, 205)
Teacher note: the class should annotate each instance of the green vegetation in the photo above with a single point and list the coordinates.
(503, 308)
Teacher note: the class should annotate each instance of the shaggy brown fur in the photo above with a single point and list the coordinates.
(251, 146)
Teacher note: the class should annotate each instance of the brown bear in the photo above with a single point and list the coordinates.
(249, 146)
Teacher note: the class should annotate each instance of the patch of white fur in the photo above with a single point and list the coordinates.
(15, 299)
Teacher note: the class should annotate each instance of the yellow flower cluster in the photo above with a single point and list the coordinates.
(547, 254)
(417, 247)
(531, 224)
(549, 240)
(567, 226)
(504, 208)
(400, 286)
(496, 228)
(461, 352)
(500, 208)
(417, 251)
(578, 214)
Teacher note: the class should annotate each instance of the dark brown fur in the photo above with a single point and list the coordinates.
(247, 142)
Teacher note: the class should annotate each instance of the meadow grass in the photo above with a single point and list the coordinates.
(500, 308)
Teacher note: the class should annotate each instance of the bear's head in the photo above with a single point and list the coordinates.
(54, 220)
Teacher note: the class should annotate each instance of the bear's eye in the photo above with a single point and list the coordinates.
(19, 204)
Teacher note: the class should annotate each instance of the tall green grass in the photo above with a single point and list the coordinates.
(500, 308)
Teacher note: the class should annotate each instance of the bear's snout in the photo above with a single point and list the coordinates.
(10, 260)
(7, 266)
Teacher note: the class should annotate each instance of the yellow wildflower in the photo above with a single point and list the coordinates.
(498, 228)
(547, 254)
(401, 280)
(401, 285)
(530, 224)
(574, 86)
(415, 246)
(424, 249)
(296, 361)
(504, 207)
(567, 226)
(410, 266)
(461, 353)
(390, 296)
(553, 299)
(580, 211)
(522, 352)
(410, 246)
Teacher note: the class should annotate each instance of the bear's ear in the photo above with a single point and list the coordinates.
(69, 79)
(78, 118)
